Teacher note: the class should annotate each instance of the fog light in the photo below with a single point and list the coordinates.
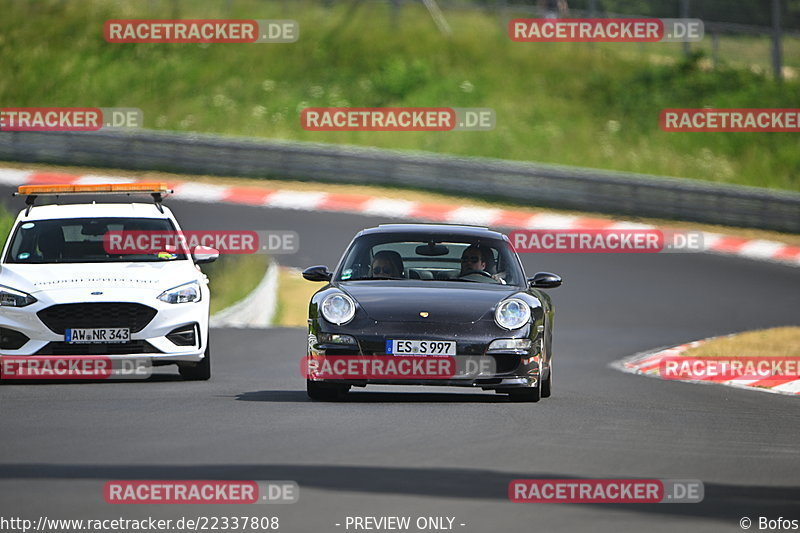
(509, 344)
(184, 335)
(12, 340)
(335, 338)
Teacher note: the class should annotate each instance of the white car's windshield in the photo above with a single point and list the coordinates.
(81, 240)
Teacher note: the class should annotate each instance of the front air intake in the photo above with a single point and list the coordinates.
(97, 315)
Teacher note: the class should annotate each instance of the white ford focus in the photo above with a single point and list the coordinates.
(62, 293)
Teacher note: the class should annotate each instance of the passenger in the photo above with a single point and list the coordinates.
(387, 264)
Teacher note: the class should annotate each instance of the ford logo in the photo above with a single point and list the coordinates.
(97, 293)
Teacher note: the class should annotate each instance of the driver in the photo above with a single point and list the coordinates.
(477, 258)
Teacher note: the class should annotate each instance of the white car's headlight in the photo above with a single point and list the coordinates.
(186, 293)
(13, 298)
(338, 308)
(512, 314)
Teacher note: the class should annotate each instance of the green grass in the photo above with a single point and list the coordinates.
(6, 220)
(741, 51)
(560, 103)
(232, 277)
(294, 294)
(774, 342)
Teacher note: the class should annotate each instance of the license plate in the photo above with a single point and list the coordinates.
(96, 335)
(413, 347)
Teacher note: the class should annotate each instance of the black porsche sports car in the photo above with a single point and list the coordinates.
(425, 291)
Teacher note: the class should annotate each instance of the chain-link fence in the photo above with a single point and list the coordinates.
(763, 35)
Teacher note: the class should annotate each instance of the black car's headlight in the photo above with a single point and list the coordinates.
(13, 298)
(186, 293)
(338, 308)
(512, 314)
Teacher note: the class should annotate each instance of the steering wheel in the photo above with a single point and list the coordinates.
(472, 272)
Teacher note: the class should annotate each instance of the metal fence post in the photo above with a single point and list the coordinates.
(715, 48)
(687, 48)
(777, 52)
(394, 13)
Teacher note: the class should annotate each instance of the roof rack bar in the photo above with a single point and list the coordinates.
(29, 202)
(157, 200)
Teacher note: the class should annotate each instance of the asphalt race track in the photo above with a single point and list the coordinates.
(435, 452)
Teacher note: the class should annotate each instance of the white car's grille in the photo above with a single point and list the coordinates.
(97, 315)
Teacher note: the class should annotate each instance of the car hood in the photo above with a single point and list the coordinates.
(62, 276)
(403, 301)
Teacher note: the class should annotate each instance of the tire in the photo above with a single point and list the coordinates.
(525, 394)
(198, 371)
(325, 392)
(547, 385)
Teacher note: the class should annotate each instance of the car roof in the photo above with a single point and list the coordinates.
(119, 210)
(443, 229)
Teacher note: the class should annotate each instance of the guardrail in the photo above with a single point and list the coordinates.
(525, 183)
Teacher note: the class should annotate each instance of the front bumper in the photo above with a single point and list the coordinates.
(150, 342)
(513, 369)
(498, 384)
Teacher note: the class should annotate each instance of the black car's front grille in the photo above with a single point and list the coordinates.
(97, 315)
(65, 348)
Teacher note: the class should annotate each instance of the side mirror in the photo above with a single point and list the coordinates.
(204, 254)
(544, 280)
(317, 273)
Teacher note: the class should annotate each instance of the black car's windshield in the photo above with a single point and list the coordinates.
(419, 257)
(85, 240)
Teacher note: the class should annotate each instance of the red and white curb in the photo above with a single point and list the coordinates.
(649, 363)
(757, 249)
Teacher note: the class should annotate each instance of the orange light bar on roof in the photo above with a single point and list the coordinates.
(101, 188)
